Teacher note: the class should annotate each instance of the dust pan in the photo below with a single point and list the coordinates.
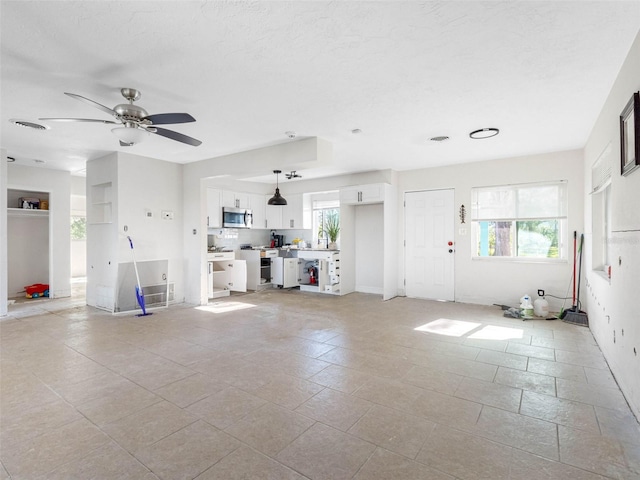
(577, 317)
(574, 315)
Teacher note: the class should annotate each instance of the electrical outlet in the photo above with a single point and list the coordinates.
(166, 215)
(148, 213)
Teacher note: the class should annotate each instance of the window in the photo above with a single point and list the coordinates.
(324, 212)
(520, 221)
(78, 227)
(601, 211)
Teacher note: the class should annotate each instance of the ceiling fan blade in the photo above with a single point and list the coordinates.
(169, 118)
(92, 103)
(179, 137)
(79, 120)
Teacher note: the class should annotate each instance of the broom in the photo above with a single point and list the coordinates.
(574, 314)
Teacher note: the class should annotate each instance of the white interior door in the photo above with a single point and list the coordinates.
(429, 253)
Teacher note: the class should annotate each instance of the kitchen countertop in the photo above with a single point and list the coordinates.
(292, 249)
(309, 249)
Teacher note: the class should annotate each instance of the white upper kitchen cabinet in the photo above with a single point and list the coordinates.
(235, 199)
(258, 205)
(273, 215)
(292, 215)
(362, 194)
(214, 208)
(286, 217)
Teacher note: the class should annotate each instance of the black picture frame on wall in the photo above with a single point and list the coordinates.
(630, 136)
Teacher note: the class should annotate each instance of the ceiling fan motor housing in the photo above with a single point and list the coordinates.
(130, 112)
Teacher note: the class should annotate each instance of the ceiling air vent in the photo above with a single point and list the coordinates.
(26, 124)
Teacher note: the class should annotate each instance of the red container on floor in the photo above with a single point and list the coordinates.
(37, 290)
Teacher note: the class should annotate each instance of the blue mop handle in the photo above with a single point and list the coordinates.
(135, 266)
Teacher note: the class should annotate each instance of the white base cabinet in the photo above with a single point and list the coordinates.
(225, 274)
(259, 269)
(285, 272)
(326, 271)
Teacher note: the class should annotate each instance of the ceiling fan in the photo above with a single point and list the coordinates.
(291, 175)
(135, 122)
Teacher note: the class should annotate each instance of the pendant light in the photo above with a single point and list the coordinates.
(277, 199)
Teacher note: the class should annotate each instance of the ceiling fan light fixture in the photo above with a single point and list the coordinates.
(277, 199)
(130, 135)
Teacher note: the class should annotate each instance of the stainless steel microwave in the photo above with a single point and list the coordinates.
(237, 217)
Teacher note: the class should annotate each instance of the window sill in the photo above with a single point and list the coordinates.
(551, 261)
(601, 274)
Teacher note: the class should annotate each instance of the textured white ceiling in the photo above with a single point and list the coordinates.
(400, 71)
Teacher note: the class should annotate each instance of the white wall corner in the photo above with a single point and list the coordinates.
(3, 234)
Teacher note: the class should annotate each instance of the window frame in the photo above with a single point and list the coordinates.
(323, 206)
(561, 218)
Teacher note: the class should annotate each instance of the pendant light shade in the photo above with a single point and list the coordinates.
(277, 199)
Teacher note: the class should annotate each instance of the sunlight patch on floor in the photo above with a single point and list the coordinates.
(492, 332)
(224, 307)
(445, 326)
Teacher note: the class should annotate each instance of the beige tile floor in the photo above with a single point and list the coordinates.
(289, 385)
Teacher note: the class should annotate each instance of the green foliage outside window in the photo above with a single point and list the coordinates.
(78, 228)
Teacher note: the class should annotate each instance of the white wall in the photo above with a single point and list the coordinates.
(102, 237)
(488, 281)
(154, 186)
(28, 252)
(139, 185)
(612, 305)
(58, 184)
(3, 233)
(369, 262)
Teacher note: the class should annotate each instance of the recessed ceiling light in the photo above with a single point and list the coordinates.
(27, 124)
(11, 159)
(484, 133)
(441, 138)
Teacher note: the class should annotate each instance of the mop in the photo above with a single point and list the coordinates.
(574, 314)
(139, 292)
